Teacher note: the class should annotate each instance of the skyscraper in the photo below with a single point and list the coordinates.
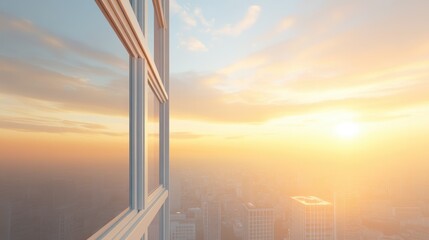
(347, 216)
(311, 219)
(182, 228)
(176, 193)
(211, 220)
(258, 222)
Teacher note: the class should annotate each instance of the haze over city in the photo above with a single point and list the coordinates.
(269, 100)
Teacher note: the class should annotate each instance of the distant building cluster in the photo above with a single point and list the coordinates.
(240, 206)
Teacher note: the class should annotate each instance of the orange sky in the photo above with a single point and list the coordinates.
(295, 78)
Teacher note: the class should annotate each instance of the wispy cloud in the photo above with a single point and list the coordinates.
(68, 77)
(193, 44)
(283, 25)
(183, 13)
(198, 12)
(54, 125)
(25, 33)
(338, 61)
(248, 21)
(68, 93)
(200, 100)
(186, 135)
(191, 18)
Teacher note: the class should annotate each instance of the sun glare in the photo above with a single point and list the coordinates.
(347, 130)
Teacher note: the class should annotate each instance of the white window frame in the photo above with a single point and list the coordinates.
(129, 19)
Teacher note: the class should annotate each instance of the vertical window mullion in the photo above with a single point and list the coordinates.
(159, 62)
(161, 59)
(143, 20)
(166, 105)
(142, 143)
(133, 133)
(142, 169)
(138, 113)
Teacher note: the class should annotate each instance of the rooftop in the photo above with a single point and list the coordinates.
(310, 200)
(250, 205)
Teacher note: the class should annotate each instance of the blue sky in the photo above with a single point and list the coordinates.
(207, 36)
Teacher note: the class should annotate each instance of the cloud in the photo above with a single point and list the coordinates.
(283, 25)
(193, 44)
(186, 135)
(338, 60)
(191, 18)
(202, 19)
(248, 21)
(198, 99)
(23, 33)
(60, 74)
(235, 137)
(183, 13)
(21, 79)
(194, 97)
(54, 125)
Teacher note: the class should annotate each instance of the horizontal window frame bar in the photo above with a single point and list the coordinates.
(113, 227)
(156, 89)
(155, 193)
(138, 226)
(159, 11)
(121, 17)
(132, 224)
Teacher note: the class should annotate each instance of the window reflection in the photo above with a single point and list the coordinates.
(153, 145)
(154, 228)
(63, 121)
(151, 28)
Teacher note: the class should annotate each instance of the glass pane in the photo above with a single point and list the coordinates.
(63, 120)
(154, 228)
(211, 213)
(151, 28)
(153, 145)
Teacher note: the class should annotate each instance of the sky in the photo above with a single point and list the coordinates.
(262, 81)
(315, 82)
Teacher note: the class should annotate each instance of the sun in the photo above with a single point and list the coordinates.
(347, 130)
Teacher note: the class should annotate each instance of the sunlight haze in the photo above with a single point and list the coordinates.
(312, 98)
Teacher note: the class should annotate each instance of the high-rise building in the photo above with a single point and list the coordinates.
(211, 220)
(176, 192)
(196, 214)
(182, 228)
(258, 222)
(347, 220)
(311, 219)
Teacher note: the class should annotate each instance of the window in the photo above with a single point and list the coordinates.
(153, 148)
(141, 203)
(63, 121)
(149, 164)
